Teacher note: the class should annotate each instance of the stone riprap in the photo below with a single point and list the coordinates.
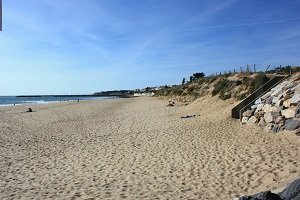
(291, 192)
(278, 109)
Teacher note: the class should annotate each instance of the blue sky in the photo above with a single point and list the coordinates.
(84, 46)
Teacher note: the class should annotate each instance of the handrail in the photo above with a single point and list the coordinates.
(236, 112)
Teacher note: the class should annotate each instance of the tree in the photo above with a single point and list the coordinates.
(183, 81)
(191, 78)
(198, 75)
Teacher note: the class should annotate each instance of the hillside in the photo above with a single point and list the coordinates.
(236, 86)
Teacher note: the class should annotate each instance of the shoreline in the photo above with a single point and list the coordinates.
(37, 102)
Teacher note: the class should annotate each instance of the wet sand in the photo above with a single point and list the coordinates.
(139, 149)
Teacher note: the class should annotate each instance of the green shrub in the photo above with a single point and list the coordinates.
(238, 83)
(191, 89)
(221, 85)
(177, 91)
(258, 81)
(224, 95)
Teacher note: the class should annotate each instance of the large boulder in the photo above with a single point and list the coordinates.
(277, 91)
(271, 116)
(245, 120)
(247, 113)
(252, 120)
(279, 119)
(259, 114)
(253, 107)
(276, 128)
(275, 100)
(262, 122)
(266, 95)
(269, 100)
(258, 101)
(259, 107)
(268, 195)
(295, 99)
(289, 113)
(267, 107)
(292, 191)
(287, 93)
(297, 89)
(292, 124)
(287, 103)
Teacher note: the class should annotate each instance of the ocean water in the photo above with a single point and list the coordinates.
(13, 100)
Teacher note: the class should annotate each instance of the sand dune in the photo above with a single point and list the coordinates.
(139, 149)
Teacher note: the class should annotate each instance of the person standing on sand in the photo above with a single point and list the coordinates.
(78, 101)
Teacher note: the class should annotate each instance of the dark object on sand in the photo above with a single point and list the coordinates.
(189, 116)
(171, 103)
(291, 192)
(29, 110)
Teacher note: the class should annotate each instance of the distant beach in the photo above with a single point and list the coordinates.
(139, 148)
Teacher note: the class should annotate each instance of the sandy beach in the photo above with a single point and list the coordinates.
(139, 148)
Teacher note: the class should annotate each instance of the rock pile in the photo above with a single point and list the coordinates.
(291, 192)
(278, 109)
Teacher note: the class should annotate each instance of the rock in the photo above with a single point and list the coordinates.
(245, 120)
(295, 99)
(296, 89)
(288, 113)
(254, 107)
(298, 109)
(259, 107)
(275, 100)
(265, 96)
(269, 108)
(271, 116)
(247, 113)
(252, 120)
(269, 100)
(275, 128)
(291, 124)
(258, 101)
(287, 103)
(296, 131)
(279, 119)
(279, 102)
(292, 191)
(277, 91)
(262, 122)
(262, 196)
(259, 114)
(287, 93)
(269, 126)
(288, 86)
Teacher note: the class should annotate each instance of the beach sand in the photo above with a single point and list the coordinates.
(139, 148)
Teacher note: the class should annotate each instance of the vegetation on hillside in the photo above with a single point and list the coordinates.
(230, 85)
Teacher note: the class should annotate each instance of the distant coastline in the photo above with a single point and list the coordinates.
(88, 95)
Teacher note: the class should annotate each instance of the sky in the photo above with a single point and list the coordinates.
(86, 46)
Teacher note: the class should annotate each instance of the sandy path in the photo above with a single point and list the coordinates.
(138, 149)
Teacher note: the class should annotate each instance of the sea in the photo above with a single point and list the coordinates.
(15, 100)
